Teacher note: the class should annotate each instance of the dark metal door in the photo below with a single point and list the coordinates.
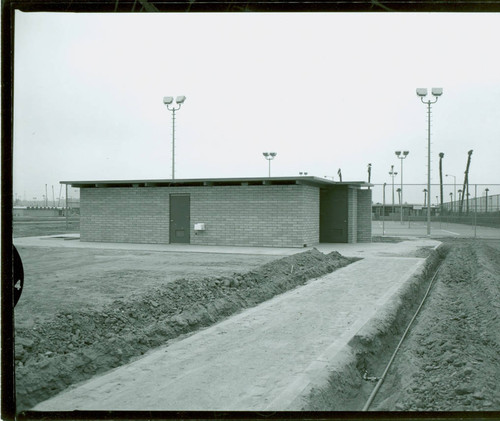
(333, 216)
(179, 219)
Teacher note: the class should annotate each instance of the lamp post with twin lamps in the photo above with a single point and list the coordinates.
(168, 100)
(401, 156)
(422, 93)
(269, 156)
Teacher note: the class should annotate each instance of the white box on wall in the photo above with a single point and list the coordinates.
(199, 226)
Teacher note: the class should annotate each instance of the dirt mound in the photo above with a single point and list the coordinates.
(77, 345)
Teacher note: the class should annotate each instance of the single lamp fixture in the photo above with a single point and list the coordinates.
(437, 91)
(422, 92)
(167, 100)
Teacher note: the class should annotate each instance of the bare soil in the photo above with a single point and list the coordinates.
(77, 335)
(31, 226)
(451, 359)
(67, 279)
(83, 312)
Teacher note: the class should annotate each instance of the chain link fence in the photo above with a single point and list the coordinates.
(71, 209)
(455, 210)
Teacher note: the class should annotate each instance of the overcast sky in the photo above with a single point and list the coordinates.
(324, 91)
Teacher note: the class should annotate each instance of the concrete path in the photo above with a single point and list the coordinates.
(265, 358)
(357, 249)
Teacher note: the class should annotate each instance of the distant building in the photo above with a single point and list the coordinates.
(36, 211)
(271, 212)
(412, 210)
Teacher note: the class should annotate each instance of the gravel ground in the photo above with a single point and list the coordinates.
(75, 345)
(451, 359)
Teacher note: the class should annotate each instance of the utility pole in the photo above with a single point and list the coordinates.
(59, 200)
(67, 221)
(465, 189)
(383, 212)
(392, 173)
(441, 156)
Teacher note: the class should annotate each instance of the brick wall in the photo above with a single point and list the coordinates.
(124, 215)
(266, 215)
(310, 215)
(274, 215)
(364, 216)
(352, 215)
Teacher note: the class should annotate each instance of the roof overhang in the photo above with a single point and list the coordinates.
(194, 182)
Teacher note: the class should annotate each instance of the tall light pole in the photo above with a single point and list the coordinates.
(401, 156)
(422, 93)
(168, 100)
(383, 211)
(454, 187)
(269, 156)
(392, 174)
(441, 156)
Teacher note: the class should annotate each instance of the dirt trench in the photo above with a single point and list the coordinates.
(450, 359)
(368, 351)
(77, 345)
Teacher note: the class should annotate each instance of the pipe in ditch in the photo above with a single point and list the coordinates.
(381, 380)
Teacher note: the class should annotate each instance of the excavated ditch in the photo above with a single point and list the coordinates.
(77, 345)
(368, 352)
(449, 361)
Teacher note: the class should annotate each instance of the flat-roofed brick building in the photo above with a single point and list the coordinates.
(270, 212)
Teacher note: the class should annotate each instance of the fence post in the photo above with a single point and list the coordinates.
(475, 210)
(383, 213)
(66, 207)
